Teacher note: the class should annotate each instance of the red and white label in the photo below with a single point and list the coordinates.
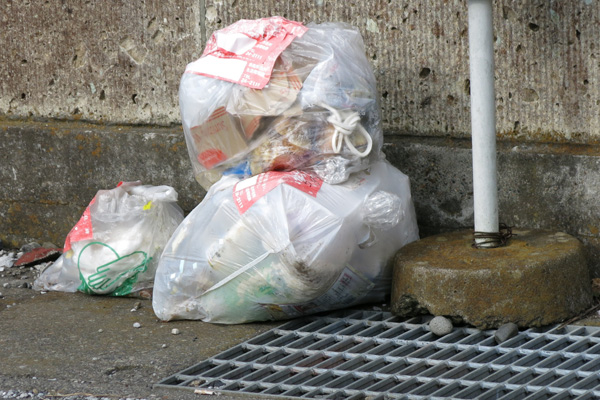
(82, 229)
(245, 52)
(249, 191)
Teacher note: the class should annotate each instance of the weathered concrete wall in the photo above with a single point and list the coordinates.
(118, 64)
(51, 171)
(106, 61)
(121, 61)
(540, 186)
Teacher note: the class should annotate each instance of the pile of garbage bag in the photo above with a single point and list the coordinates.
(303, 214)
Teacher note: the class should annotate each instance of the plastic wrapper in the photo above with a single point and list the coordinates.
(318, 112)
(284, 244)
(114, 247)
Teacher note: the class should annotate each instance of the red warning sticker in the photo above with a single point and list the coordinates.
(82, 229)
(245, 52)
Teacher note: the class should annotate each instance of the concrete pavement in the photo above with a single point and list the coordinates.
(56, 344)
(75, 346)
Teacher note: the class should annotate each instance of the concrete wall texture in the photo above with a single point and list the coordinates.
(88, 97)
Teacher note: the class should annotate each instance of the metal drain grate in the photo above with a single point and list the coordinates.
(376, 355)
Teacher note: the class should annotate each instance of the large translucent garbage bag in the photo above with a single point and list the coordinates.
(318, 112)
(115, 246)
(285, 244)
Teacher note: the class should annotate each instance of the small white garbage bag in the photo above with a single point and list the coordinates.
(284, 244)
(114, 248)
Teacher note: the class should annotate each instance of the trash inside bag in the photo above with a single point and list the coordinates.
(284, 244)
(274, 95)
(115, 246)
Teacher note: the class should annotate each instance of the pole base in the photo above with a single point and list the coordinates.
(538, 278)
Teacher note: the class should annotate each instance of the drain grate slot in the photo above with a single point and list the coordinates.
(361, 354)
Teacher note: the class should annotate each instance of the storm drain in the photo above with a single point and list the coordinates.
(376, 356)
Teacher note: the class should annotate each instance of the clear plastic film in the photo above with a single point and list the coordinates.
(114, 248)
(284, 244)
(382, 210)
(318, 112)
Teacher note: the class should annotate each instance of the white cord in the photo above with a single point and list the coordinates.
(344, 128)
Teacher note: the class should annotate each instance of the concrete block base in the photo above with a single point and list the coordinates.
(539, 278)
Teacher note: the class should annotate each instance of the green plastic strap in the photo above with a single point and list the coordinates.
(101, 281)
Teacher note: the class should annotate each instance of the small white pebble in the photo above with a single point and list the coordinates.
(137, 325)
(94, 358)
(100, 330)
(164, 346)
(440, 326)
(175, 331)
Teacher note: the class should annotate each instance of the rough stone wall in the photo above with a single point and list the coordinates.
(120, 62)
(106, 61)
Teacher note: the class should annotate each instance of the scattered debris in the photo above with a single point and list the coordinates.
(596, 287)
(207, 392)
(505, 332)
(15, 394)
(38, 255)
(175, 331)
(137, 325)
(26, 248)
(144, 294)
(583, 315)
(7, 259)
(440, 326)
(136, 306)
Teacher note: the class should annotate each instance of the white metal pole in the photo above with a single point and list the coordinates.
(483, 118)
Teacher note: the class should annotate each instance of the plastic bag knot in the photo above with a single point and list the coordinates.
(344, 128)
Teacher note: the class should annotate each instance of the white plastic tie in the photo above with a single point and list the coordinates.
(344, 128)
